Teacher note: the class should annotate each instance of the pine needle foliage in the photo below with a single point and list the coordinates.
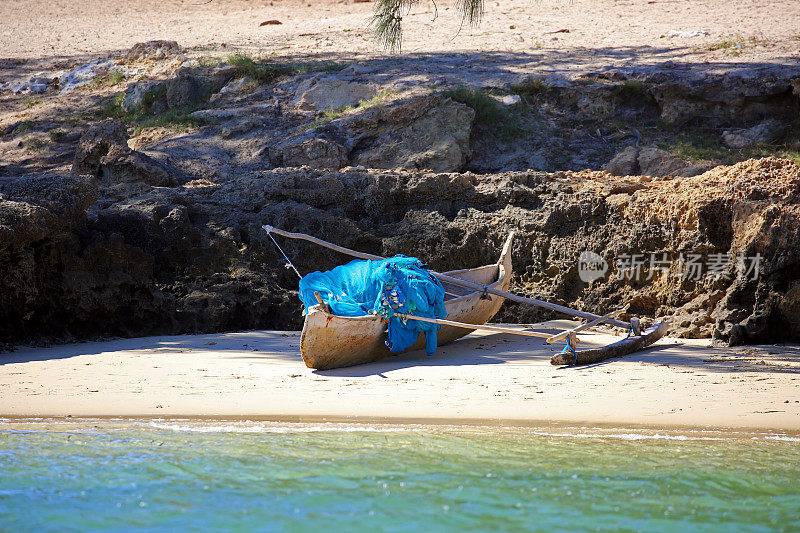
(388, 18)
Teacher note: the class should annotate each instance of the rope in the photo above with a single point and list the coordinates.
(569, 348)
(288, 261)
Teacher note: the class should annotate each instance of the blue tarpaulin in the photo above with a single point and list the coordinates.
(397, 284)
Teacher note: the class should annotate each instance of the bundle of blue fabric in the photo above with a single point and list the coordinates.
(398, 284)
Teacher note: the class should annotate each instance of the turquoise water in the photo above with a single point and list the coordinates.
(269, 476)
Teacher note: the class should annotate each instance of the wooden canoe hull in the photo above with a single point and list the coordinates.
(330, 341)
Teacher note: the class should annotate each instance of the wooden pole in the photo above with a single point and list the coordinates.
(482, 327)
(565, 334)
(455, 281)
(625, 346)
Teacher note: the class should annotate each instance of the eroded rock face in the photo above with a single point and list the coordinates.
(186, 89)
(326, 93)
(145, 260)
(765, 132)
(650, 161)
(103, 153)
(39, 220)
(746, 97)
(427, 132)
(153, 50)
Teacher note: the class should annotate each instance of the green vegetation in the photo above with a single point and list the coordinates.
(262, 72)
(631, 89)
(534, 90)
(35, 143)
(490, 114)
(179, 119)
(703, 143)
(736, 43)
(55, 135)
(110, 79)
(265, 71)
(31, 101)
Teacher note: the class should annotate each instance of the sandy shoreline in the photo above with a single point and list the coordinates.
(483, 379)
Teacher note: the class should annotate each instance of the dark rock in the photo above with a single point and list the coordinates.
(191, 86)
(95, 144)
(103, 153)
(649, 161)
(764, 133)
(146, 260)
(426, 132)
(744, 97)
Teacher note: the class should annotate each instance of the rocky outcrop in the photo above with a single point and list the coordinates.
(189, 87)
(748, 96)
(326, 93)
(762, 133)
(39, 220)
(145, 260)
(650, 161)
(153, 50)
(426, 132)
(103, 153)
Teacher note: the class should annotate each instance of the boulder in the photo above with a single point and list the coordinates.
(763, 133)
(144, 95)
(625, 163)
(426, 132)
(650, 161)
(188, 88)
(239, 85)
(35, 207)
(95, 144)
(659, 163)
(103, 153)
(326, 93)
(314, 152)
(191, 86)
(153, 50)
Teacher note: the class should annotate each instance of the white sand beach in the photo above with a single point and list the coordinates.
(483, 378)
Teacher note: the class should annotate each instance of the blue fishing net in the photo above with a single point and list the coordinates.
(397, 284)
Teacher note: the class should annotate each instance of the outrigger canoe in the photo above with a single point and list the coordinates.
(332, 341)
(473, 297)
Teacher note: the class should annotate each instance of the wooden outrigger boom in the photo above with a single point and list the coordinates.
(450, 279)
(370, 351)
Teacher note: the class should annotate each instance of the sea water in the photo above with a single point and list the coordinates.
(174, 475)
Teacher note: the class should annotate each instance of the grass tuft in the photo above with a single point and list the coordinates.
(179, 119)
(265, 71)
(489, 113)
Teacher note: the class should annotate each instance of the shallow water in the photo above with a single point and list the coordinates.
(269, 476)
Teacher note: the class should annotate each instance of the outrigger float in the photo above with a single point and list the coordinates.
(332, 341)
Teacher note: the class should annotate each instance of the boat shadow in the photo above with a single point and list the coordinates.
(502, 348)
(492, 349)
